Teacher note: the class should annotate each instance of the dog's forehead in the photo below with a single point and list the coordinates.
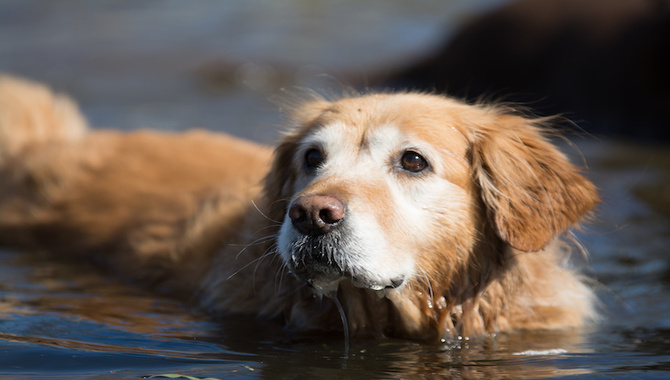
(384, 119)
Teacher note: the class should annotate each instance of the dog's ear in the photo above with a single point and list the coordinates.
(531, 190)
(279, 181)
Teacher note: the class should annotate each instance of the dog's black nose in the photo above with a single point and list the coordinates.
(316, 214)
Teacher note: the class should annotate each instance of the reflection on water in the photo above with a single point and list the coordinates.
(75, 320)
(173, 64)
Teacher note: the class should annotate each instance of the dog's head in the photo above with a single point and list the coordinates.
(384, 190)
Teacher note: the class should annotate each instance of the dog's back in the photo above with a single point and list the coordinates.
(139, 201)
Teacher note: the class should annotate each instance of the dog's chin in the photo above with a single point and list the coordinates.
(329, 284)
(324, 262)
(326, 279)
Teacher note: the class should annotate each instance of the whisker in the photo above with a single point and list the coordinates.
(263, 214)
(285, 199)
(294, 290)
(258, 231)
(266, 253)
(257, 241)
(273, 225)
(427, 281)
(271, 250)
(279, 276)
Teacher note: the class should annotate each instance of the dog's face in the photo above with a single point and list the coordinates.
(387, 190)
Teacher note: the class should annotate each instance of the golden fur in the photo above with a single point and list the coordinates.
(199, 213)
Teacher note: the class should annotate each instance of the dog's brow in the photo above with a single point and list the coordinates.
(462, 160)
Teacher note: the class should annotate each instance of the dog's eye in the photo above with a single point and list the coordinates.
(313, 158)
(413, 162)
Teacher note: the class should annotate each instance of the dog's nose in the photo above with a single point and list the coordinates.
(316, 214)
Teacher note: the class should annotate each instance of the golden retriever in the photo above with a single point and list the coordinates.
(425, 217)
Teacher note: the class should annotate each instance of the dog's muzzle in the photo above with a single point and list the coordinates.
(316, 217)
(316, 255)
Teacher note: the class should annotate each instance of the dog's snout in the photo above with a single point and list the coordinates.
(316, 214)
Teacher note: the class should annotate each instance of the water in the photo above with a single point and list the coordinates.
(173, 64)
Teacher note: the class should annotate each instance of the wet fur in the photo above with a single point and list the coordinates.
(198, 213)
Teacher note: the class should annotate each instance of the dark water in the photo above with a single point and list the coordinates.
(174, 64)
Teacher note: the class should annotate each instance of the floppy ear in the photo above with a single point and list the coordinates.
(279, 181)
(532, 191)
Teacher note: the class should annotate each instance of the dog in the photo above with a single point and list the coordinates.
(410, 215)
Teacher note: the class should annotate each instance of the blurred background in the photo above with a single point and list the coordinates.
(175, 64)
(170, 64)
(222, 65)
